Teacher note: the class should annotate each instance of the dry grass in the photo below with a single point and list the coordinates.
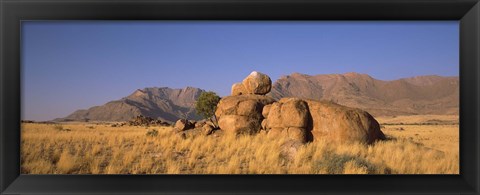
(417, 149)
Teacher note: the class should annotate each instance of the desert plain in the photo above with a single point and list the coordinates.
(416, 144)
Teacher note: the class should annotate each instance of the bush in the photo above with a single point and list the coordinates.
(207, 104)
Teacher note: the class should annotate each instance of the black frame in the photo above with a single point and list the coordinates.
(14, 11)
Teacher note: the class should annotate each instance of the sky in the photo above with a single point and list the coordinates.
(70, 65)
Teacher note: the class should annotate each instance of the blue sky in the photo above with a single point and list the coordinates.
(75, 65)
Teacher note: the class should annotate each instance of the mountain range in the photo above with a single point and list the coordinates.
(415, 95)
(160, 103)
(408, 96)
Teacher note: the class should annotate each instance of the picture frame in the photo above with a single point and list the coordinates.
(13, 12)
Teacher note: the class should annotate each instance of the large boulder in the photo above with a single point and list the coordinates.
(237, 124)
(288, 112)
(244, 105)
(241, 114)
(257, 83)
(342, 124)
(310, 120)
(289, 118)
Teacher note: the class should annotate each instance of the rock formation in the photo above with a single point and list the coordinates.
(310, 120)
(256, 83)
(248, 110)
(242, 113)
(288, 117)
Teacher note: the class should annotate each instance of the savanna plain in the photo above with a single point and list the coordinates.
(418, 144)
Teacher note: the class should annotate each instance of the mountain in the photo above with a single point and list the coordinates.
(161, 103)
(416, 95)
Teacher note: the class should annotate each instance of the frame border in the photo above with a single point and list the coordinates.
(12, 12)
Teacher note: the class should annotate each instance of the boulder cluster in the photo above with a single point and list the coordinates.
(207, 127)
(241, 113)
(248, 111)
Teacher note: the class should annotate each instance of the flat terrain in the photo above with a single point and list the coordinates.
(423, 144)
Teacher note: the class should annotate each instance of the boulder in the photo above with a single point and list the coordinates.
(242, 113)
(238, 89)
(309, 120)
(207, 129)
(183, 124)
(289, 133)
(342, 124)
(288, 112)
(244, 105)
(257, 83)
(237, 124)
(275, 132)
(251, 108)
(298, 134)
(288, 118)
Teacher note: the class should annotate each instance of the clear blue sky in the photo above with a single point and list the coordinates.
(75, 65)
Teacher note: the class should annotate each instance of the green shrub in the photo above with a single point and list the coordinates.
(207, 104)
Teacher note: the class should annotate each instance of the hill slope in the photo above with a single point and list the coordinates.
(415, 95)
(161, 103)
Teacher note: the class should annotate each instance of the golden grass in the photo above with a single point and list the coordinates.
(417, 149)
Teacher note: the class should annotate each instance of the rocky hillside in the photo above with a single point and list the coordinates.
(415, 95)
(164, 103)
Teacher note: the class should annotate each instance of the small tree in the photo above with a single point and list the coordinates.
(206, 105)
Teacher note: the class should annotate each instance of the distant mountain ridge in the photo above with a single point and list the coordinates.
(160, 103)
(415, 95)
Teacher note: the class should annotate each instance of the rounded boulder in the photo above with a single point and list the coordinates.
(342, 124)
(257, 83)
